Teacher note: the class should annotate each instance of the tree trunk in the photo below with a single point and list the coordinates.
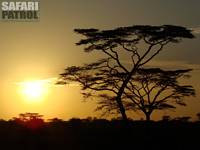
(121, 109)
(120, 93)
(148, 116)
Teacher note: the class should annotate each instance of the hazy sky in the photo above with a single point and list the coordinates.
(41, 50)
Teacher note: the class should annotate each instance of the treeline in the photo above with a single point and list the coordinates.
(100, 134)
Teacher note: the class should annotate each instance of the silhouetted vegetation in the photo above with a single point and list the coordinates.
(30, 120)
(155, 89)
(98, 134)
(198, 116)
(127, 49)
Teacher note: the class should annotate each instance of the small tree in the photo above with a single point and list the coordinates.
(127, 49)
(198, 116)
(156, 89)
(30, 120)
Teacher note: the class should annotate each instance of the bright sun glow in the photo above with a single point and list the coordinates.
(33, 91)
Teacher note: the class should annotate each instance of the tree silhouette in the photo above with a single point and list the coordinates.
(155, 89)
(198, 116)
(127, 49)
(30, 120)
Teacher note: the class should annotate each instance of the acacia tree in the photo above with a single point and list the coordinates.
(155, 89)
(127, 49)
(30, 120)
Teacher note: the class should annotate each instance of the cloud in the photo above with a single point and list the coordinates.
(195, 30)
(51, 82)
(173, 64)
(47, 82)
(169, 64)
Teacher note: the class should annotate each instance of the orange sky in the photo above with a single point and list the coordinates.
(41, 50)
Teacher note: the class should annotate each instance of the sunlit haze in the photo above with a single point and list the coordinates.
(33, 91)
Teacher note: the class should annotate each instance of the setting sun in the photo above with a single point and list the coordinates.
(33, 91)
